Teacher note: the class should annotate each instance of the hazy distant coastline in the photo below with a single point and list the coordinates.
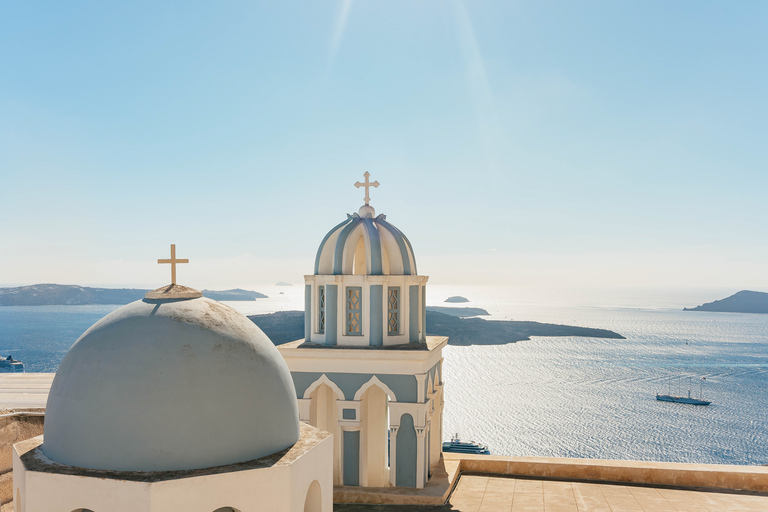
(73, 295)
(285, 326)
(744, 301)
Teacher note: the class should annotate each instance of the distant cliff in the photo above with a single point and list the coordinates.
(236, 294)
(73, 295)
(281, 327)
(64, 294)
(285, 326)
(744, 301)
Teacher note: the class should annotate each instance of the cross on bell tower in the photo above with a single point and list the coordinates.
(173, 261)
(367, 184)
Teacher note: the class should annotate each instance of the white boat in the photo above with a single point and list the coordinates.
(684, 399)
(455, 445)
(11, 365)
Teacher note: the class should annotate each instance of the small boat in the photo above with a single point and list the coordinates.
(455, 445)
(684, 399)
(11, 365)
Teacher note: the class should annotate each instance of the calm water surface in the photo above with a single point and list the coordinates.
(561, 397)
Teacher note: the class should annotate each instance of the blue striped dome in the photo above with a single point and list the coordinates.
(365, 246)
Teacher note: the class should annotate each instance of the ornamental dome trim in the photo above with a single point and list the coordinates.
(365, 246)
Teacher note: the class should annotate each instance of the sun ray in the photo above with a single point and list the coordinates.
(338, 34)
(477, 80)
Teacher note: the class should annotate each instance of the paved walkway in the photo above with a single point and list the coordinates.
(495, 494)
(507, 494)
(21, 390)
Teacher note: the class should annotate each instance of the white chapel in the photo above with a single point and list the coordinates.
(174, 402)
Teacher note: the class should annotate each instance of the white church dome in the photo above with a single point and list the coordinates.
(164, 385)
(365, 245)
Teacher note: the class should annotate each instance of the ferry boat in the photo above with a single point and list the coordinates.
(455, 445)
(11, 365)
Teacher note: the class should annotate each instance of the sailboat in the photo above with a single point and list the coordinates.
(684, 399)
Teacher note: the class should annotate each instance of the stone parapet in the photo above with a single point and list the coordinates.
(673, 474)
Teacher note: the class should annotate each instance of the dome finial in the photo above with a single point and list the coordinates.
(367, 184)
(173, 290)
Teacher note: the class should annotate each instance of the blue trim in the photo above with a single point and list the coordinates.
(352, 457)
(400, 238)
(413, 313)
(307, 312)
(322, 244)
(374, 247)
(348, 414)
(415, 272)
(338, 257)
(427, 444)
(405, 463)
(331, 316)
(405, 387)
(376, 338)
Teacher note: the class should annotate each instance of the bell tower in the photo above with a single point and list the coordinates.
(366, 371)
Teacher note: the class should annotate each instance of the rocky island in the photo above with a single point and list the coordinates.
(285, 326)
(457, 298)
(744, 301)
(236, 294)
(73, 295)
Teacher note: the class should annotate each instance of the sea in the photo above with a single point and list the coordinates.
(553, 396)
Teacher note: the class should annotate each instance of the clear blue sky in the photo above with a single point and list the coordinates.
(521, 143)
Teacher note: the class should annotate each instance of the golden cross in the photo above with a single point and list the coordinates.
(367, 185)
(173, 261)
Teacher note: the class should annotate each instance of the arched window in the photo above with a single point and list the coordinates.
(82, 510)
(226, 509)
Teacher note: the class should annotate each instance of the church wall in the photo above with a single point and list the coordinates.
(432, 375)
(403, 386)
(372, 362)
(314, 466)
(48, 492)
(258, 489)
(414, 398)
(281, 488)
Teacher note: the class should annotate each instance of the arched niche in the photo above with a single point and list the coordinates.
(314, 500)
(406, 453)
